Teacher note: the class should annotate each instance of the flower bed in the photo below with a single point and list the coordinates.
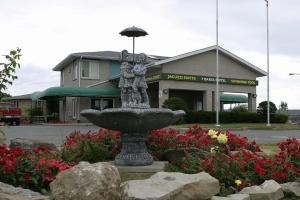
(34, 170)
(233, 160)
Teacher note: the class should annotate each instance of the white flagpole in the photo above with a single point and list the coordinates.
(268, 65)
(217, 96)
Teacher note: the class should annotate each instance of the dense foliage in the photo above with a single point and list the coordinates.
(91, 146)
(232, 117)
(34, 170)
(263, 108)
(238, 169)
(8, 68)
(175, 103)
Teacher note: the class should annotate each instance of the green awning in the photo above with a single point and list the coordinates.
(76, 92)
(233, 98)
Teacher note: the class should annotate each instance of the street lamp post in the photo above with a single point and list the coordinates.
(268, 64)
(217, 96)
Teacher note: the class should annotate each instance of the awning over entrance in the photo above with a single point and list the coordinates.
(233, 98)
(76, 92)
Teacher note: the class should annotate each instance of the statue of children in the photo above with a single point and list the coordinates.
(139, 85)
(126, 79)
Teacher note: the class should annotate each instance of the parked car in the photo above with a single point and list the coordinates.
(9, 113)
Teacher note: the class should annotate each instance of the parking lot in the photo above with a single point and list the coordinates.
(56, 134)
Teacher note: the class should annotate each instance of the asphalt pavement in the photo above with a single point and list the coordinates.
(57, 133)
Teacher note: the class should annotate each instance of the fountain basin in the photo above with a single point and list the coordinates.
(132, 120)
(133, 123)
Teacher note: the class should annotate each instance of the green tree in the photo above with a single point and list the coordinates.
(175, 103)
(283, 106)
(8, 69)
(263, 108)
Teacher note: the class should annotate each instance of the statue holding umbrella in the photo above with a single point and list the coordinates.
(133, 32)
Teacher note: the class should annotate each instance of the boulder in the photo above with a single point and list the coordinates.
(2, 137)
(291, 187)
(239, 197)
(178, 155)
(232, 197)
(28, 144)
(175, 186)
(87, 181)
(269, 190)
(8, 192)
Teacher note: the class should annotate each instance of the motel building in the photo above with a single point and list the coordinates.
(90, 80)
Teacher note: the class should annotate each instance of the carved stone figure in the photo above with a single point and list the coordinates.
(139, 84)
(132, 82)
(126, 79)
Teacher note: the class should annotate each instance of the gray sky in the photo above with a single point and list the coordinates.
(47, 31)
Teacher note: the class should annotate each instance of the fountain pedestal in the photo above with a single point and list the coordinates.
(134, 151)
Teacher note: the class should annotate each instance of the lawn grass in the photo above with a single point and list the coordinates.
(239, 126)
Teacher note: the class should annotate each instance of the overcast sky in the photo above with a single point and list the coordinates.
(47, 31)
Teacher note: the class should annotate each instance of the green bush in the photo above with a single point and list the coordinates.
(34, 111)
(263, 108)
(92, 146)
(175, 103)
(241, 108)
(206, 117)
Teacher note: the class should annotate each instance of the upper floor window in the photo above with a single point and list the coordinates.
(90, 69)
(75, 70)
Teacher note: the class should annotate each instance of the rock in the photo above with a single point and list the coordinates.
(8, 192)
(2, 137)
(239, 197)
(175, 186)
(219, 198)
(87, 181)
(269, 190)
(291, 187)
(232, 197)
(179, 154)
(28, 144)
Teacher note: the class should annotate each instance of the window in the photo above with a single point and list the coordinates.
(75, 69)
(74, 106)
(90, 69)
(62, 78)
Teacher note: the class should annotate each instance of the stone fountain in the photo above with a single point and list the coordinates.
(135, 118)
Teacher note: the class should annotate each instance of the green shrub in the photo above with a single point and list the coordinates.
(263, 108)
(241, 108)
(92, 146)
(175, 103)
(34, 111)
(206, 117)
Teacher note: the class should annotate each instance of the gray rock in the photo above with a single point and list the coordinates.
(219, 198)
(28, 144)
(8, 192)
(175, 186)
(239, 197)
(291, 187)
(232, 197)
(2, 137)
(87, 181)
(269, 190)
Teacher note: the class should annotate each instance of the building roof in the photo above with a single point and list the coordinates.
(223, 51)
(76, 92)
(19, 97)
(98, 55)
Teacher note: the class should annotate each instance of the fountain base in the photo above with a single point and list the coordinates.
(134, 150)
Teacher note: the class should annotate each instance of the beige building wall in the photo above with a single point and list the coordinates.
(205, 65)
